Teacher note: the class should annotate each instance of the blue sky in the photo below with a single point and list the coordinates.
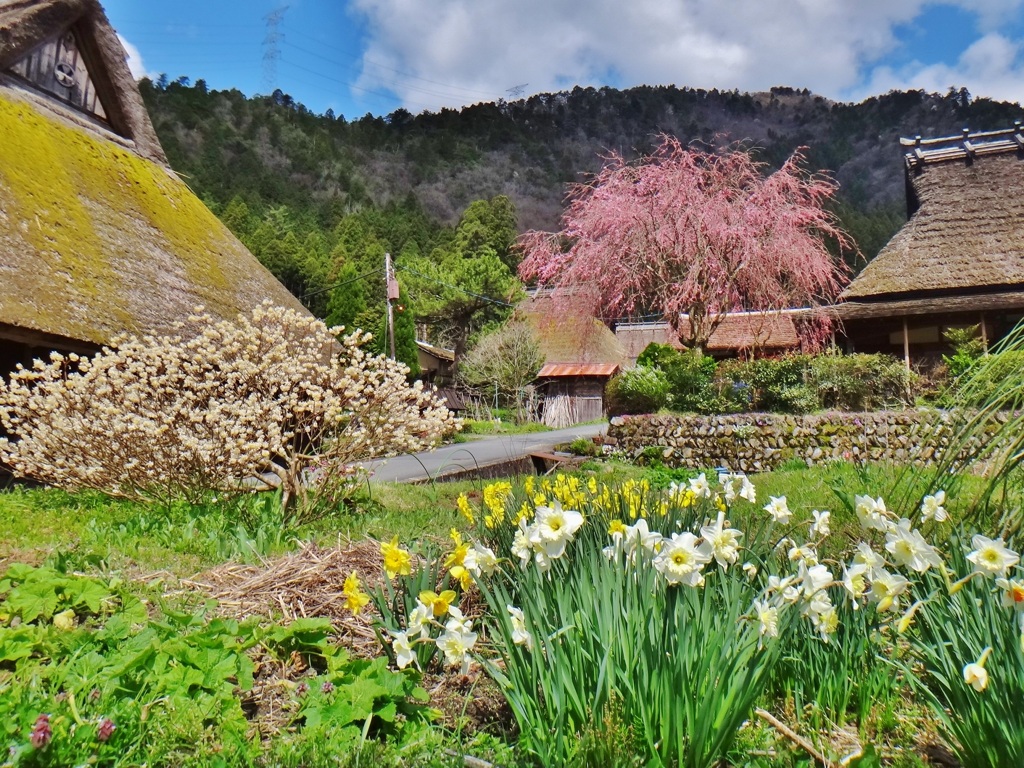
(359, 56)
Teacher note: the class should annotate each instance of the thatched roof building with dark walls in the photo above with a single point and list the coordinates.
(98, 236)
(739, 334)
(959, 259)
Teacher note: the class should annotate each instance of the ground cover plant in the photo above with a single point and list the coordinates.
(604, 687)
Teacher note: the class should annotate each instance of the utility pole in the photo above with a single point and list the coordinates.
(392, 288)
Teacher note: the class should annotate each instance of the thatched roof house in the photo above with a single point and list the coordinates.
(98, 236)
(580, 354)
(959, 259)
(739, 333)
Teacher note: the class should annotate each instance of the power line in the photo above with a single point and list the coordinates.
(339, 285)
(375, 63)
(480, 296)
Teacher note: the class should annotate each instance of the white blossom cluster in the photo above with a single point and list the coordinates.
(273, 393)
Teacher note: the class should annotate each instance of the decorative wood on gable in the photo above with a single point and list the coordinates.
(58, 67)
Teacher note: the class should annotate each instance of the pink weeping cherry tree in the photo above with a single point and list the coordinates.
(693, 235)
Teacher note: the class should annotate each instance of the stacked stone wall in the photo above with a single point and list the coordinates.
(757, 442)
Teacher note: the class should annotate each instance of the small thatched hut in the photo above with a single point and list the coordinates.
(580, 355)
(959, 259)
(98, 236)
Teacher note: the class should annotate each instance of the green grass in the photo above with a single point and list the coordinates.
(37, 523)
(472, 427)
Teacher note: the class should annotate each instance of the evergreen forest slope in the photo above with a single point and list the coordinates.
(312, 194)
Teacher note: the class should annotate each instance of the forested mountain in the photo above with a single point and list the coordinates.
(316, 195)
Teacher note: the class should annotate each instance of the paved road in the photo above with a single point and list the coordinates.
(478, 453)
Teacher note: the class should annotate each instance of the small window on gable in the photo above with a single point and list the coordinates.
(58, 67)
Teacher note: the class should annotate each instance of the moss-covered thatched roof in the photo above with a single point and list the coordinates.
(569, 338)
(97, 235)
(95, 240)
(966, 229)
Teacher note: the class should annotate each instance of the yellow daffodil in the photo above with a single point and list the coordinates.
(465, 509)
(462, 575)
(524, 513)
(355, 598)
(396, 560)
(457, 555)
(616, 526)
(438, 604)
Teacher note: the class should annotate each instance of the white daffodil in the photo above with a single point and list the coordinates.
(419, 620)
(404, 654)
(814, 578)
(932, 509)
(553, 528)
(865, 555)
(820, 525)
(730, 486)
(725, 542)
(826, 622)
(909, 549)
(700, 487)
(975, 674)
(991, 556)
(480, 560)
(639, 535)
(1012, 593)
(747, 490)
(456, 643)
(786, 588)
(871, 513)
(457, 621)
(768, 617)
(886, 589)
(778, 509)
(751, 570)
(855, 581)
(735, 485)
(521, 547)
(805, 554)
(681, 560)
(520, 635)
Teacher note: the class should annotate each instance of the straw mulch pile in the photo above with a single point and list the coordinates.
(305, 583)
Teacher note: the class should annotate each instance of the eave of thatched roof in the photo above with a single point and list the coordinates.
(738, 332)
(941, 304)
(25, 23)
(96, 240)
(966, 232)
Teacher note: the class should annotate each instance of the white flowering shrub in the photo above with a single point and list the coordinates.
(272, 399)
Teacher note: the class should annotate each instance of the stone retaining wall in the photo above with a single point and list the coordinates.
(755, 442)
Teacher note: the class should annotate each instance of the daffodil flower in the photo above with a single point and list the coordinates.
(932, 509)
(438, 604)
(397, 561)
(682, 560)
(909, 549)
(778, 509)
(975, 674)
(991, 556)
(355, 598)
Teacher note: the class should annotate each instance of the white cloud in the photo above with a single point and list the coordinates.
(434, 53)
(135, 63)
(991, 66)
